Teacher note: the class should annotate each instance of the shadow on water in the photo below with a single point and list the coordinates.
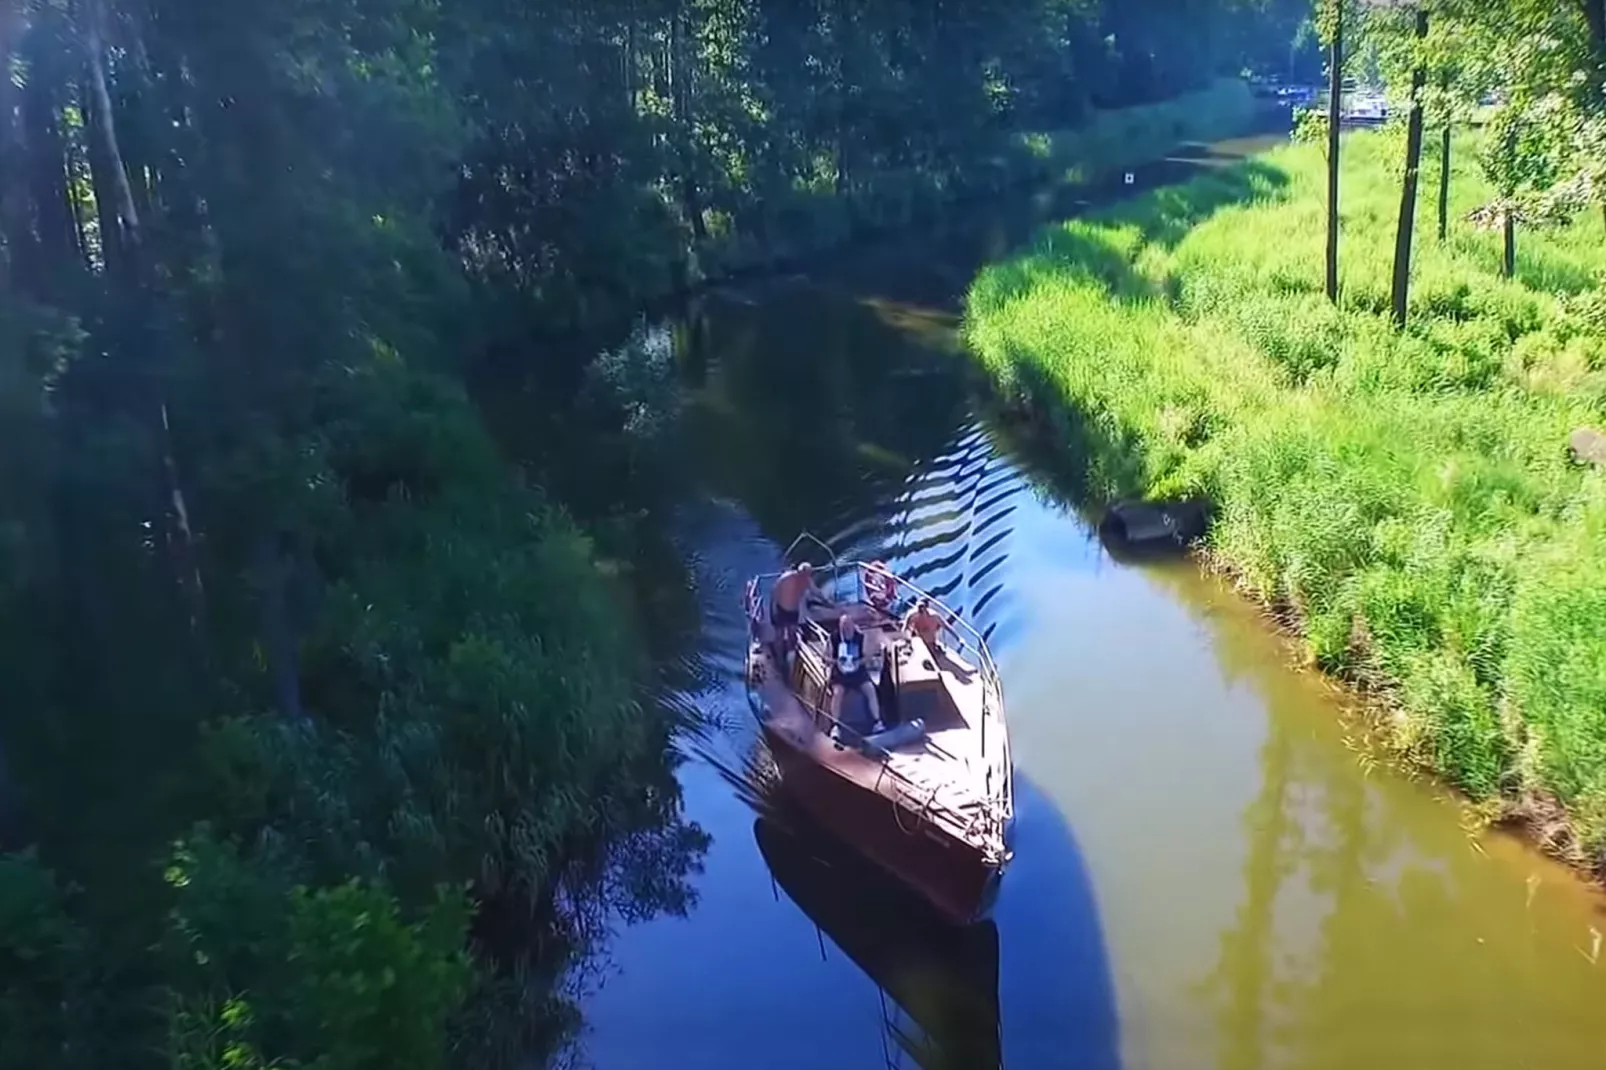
(939, 984)
(1162, 217)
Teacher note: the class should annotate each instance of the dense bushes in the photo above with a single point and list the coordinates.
(465, 720)
(1406, 497)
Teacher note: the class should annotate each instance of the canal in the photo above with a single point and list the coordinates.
(1211, 870)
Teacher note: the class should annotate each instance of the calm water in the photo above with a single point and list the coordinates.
(1209, 872)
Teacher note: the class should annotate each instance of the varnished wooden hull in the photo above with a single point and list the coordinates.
(953, 875)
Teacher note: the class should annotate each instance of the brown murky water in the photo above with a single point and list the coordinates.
(1210, 872)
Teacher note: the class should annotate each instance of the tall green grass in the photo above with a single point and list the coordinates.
(1405, 497)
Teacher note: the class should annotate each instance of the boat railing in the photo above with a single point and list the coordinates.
(955, 627)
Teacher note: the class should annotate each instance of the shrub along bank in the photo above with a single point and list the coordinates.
(1406, 498)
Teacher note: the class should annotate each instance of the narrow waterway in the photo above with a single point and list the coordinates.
(1210, 872)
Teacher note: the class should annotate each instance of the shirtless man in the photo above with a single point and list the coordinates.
(928, 624)
(925, 622)
(788, 601)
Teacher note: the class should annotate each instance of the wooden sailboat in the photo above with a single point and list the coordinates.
(930, 797)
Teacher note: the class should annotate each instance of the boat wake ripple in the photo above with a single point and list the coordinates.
(947, 527)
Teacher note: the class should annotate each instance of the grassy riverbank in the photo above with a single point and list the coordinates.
(1406, 499)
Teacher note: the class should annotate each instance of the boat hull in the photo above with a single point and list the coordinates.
(952, 874)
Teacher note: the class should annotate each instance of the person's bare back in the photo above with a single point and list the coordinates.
(792, 587)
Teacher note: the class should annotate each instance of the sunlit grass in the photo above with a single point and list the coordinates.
(1406, 498)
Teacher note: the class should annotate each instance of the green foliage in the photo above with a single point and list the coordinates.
(1546, 63)
(1407, 497)
(44, 970)
(1310, 127)
(332, 979)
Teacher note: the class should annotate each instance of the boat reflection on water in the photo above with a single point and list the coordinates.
(938, 982)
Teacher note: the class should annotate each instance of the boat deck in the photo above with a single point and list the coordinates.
(944, 775)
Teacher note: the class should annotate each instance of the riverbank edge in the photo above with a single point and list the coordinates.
(1535, 815)
(1111, 141)
(1026, 401)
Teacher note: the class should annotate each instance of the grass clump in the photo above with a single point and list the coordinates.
(1405, 497)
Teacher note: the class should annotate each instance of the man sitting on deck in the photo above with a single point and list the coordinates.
(850, 673)
(927, 624)
(880, 586)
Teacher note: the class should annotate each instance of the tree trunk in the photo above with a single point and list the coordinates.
(44, 159)
(680, 101)
(1595, 19)
(100, 172)
(275, 563)
(151, 407)
(106, 125)
(77, 165)
(1508, 265)
(1444, 184)
(843, 167)
(13, 229)
(1335, 88)
(630, 63)
(1413, 165)
(1508, 214)
(1444, 172)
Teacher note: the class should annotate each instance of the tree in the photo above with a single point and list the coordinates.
(1331, 23)
(1542, 61)
(1401, 282)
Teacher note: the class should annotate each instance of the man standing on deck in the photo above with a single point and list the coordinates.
(788, 601)
(851, 673)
